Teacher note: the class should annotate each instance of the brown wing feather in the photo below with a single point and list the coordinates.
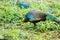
(38, 15)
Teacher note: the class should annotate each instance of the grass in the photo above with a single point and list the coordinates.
(13, 28)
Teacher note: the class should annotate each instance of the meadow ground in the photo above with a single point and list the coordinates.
(13, 28)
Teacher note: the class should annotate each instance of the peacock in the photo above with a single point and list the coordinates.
(22, 4)
(35, 16)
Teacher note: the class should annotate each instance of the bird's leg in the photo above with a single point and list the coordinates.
(35, 26)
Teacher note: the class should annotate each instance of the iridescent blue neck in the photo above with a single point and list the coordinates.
(29, 16)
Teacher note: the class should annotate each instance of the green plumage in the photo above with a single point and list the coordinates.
(53, 18)
(22, 4)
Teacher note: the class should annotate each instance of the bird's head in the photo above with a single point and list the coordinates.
(29, 16)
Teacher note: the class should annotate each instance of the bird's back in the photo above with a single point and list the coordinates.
(38, 15)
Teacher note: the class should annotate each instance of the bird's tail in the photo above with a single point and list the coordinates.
(53, 18)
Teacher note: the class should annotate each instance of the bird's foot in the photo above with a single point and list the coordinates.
(36, 28)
